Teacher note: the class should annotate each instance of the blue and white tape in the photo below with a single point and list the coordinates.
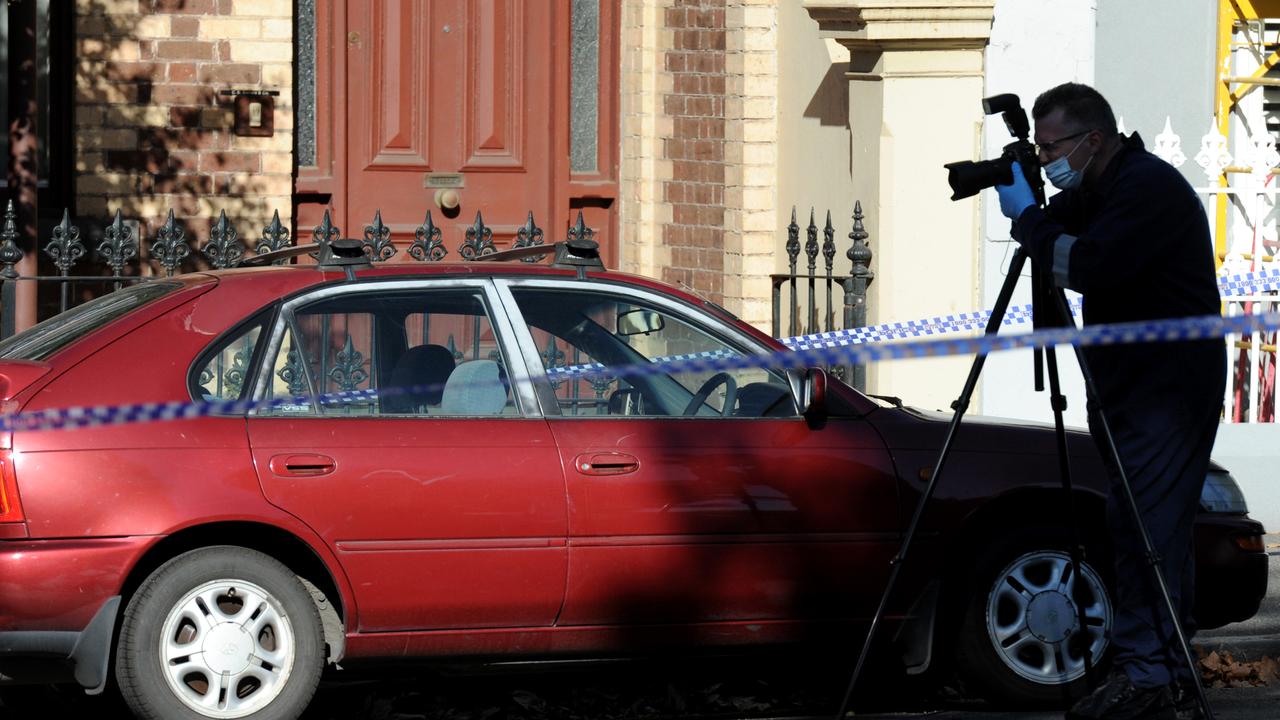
(1229, 286)
(1127, 333)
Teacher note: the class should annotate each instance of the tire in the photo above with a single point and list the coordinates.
(1019, 613)
(249, 607)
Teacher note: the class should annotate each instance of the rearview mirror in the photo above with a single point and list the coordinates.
(813, 398)
(639, 322)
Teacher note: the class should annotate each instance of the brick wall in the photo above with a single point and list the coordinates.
(152, 131)
(695, 61)
(699, 147)
(751, 149)
(643, 171)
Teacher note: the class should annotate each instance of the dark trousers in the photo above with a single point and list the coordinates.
(1164, 436)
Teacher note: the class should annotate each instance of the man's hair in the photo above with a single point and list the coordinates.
(1080, 104)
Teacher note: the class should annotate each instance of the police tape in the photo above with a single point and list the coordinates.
(1237, 284)
(1172, 330)
(1240, 285)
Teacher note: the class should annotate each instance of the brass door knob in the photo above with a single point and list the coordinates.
(447, 198)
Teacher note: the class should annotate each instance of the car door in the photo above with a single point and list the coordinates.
(685, 510)
(443, 496)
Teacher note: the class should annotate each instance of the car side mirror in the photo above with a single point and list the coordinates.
(813, 395)
(639, 322)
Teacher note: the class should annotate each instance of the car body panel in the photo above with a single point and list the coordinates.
(439, 523)
(59, 584)
(726, 519)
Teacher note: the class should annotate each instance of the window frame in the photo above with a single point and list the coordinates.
(527, 403)
(262, 319)
(726, 333)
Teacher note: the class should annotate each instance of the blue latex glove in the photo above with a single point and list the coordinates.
(1016, 196)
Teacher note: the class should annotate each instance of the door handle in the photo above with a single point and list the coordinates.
(447, 198)
(302, 465)
(606, 463)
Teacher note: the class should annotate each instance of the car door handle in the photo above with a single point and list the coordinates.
(606, 463)
(302, 465)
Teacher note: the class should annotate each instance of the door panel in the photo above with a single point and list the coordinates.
(453, 88)
(698, 495)
(727, 519)
(455, 523)
(401, 127)
(495, 128)
(442, 497)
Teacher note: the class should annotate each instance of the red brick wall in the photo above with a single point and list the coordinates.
(696, 148)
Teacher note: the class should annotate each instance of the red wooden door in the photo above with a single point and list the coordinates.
(457, 95)
(413, 95)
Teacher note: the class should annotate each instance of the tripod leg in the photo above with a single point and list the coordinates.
(1079, 640)
(960, 406)
(1131, 502)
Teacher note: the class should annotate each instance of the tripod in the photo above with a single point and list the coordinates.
(1046, 298)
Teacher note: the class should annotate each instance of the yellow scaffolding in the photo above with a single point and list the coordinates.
(1239, 17)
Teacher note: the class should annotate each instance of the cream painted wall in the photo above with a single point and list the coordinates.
(929, 244)
(1026, 56)
(814, 167)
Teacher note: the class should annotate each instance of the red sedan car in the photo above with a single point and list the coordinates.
(490, 499)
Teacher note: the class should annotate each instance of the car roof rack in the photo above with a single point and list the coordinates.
(341, 253)
(578, 254)
(349, 254)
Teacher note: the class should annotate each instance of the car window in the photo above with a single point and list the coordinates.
(582, 334)
(420, 353)
(44, 339)
(224, 375)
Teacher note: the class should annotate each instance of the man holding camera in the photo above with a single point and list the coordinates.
(1129, 233)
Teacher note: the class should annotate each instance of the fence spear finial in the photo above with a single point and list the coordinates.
(10, 253)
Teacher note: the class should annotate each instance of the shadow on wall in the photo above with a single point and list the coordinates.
(830, 101)
(164, 137)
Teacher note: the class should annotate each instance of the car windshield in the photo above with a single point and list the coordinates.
(44, 339)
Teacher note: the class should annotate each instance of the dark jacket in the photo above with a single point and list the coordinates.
(1136, 245)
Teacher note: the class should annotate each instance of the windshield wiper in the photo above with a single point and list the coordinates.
(895, 401)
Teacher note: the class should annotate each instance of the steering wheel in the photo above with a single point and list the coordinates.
(704, 392)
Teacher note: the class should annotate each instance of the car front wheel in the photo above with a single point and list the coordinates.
(1023, 610)
(220, 632)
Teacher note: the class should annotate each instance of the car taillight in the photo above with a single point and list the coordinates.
(10, 505)
(1250, 543)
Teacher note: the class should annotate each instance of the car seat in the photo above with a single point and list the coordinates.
(476, 387)
(421, 372)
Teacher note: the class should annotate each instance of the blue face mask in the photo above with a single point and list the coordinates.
(1060, 172)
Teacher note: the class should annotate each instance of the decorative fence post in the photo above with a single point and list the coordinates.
(10, 255)
(793, 252)
(855, 288)
(117, 247)
(65, 248)
(811, 252)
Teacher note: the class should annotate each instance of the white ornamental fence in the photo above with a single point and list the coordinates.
(1251, 245)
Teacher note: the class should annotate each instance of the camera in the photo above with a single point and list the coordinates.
(969, 178)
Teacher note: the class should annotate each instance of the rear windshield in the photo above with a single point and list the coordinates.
(49, 336)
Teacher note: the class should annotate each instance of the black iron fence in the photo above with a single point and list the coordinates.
(119, 254)
(119, 258)
(804, 308)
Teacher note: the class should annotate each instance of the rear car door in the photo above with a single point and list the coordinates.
(445, 503)
(696, 496)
